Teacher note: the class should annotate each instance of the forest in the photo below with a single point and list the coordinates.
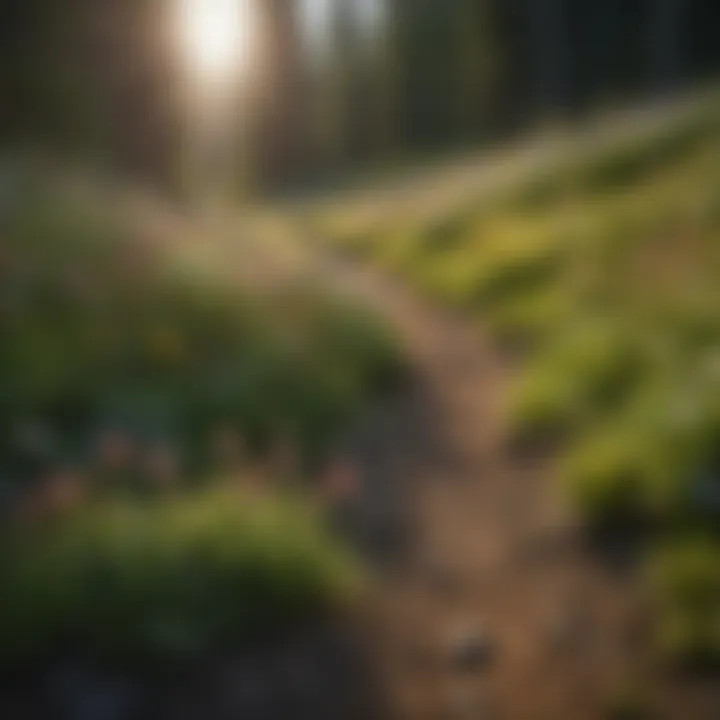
(338, 85)
(359, 359)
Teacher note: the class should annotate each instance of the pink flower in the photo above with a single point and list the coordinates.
(162, 465)
(340, 481)
(64, 491)
(115, 450)
(57, 495)
(228, 447)
(285, 458)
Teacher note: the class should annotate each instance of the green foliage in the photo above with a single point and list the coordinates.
(526, 318)
(684, 576)
(102, 328)
(626, 165)
(577, 378)
(620, 473)
(165, 581)
(627, 701)
(645, 458)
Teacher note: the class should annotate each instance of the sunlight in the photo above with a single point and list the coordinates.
(216, 37)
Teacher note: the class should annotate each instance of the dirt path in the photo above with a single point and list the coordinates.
(494, 607)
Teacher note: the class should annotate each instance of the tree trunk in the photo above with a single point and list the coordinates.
(549, 56)
(666, 28)
(278, 100)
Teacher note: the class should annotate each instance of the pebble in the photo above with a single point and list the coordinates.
(441, 577)
(470, 650)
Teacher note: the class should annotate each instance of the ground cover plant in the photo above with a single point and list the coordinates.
(110, 345)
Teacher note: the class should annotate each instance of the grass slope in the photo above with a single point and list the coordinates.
(606, 269)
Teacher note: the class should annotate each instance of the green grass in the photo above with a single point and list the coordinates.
(581, 375)
(166, 581)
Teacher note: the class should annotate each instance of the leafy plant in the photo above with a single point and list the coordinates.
(167, 580)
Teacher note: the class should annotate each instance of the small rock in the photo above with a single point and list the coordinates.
(471, 649)
(440, 577)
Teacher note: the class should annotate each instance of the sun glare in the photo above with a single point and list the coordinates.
(216, 37)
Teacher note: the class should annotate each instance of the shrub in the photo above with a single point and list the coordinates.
(628, 701)
(646, 456)
(532, 316)
(618, 473)
(166, 580)
(515, 258)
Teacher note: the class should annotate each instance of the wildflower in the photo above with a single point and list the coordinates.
(55, 496)
(64, 491)
(115, 451)
(340, 481)
(162, 465)
(228, 448)
(285, 459)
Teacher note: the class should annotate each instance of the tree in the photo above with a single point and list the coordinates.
(279, 112)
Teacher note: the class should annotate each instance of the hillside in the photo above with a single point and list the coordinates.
(566, 323)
